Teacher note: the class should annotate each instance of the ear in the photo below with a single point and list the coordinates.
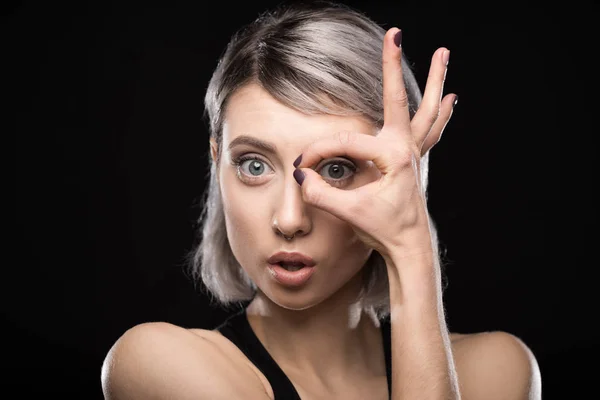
(213, 149)
(213, 153)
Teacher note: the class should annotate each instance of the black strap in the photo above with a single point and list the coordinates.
(252, 347)
(237, 329)
(386, 332)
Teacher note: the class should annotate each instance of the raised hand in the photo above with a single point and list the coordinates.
(389, 214)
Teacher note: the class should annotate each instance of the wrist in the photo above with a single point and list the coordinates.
(414, 276)
(411, 242)
(412, 251)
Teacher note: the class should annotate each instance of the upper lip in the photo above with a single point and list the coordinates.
(283, 257)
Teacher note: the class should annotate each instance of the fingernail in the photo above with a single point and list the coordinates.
(299, 176)
(455, 100)
(298, 161)
(398, 38)
(446, 57)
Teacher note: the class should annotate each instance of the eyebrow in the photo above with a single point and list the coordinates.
(252, 141)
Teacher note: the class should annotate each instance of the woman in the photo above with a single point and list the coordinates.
(316, 213)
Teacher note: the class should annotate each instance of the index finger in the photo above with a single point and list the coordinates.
(395, 98)
(355, 145)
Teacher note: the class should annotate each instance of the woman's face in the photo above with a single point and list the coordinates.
(262, 200)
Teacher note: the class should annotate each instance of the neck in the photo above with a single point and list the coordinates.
(328, 342)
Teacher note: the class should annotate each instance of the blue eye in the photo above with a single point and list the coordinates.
(255, 168)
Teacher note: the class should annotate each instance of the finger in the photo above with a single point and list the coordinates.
(429, 109)
(359, 146)
(435, 134)
(317, 192)
(395, 98)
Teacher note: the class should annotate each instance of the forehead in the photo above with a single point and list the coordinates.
(254, 112)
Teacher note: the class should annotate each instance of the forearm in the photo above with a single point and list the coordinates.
(422, 361)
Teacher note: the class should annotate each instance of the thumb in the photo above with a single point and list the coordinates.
(317, 192)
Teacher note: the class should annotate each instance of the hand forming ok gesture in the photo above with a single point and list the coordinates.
(389, 214)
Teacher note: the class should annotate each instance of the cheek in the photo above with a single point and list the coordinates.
(244, 215)
(342, 241)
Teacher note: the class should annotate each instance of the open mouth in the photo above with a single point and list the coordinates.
(292, 266)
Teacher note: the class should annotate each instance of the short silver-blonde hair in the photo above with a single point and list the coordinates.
(323, 58)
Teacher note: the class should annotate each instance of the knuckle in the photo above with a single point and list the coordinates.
(346, 137)
(434, 115)
(387, 61)
(400, 97)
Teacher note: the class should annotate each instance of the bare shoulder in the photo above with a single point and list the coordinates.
(163, 361)
(495, 365)
(236, 356)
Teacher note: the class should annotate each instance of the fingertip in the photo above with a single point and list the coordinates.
(299, 176)
(443, 54)
(398, 38)
(450, 98)
(447, 105)
(445, 57)
(394, 37)
(392, 32)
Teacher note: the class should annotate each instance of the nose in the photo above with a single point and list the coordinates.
(290, 218)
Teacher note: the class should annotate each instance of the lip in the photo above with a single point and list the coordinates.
(294, 257)
(291, 278)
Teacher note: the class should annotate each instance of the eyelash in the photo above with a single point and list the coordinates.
(237, 162)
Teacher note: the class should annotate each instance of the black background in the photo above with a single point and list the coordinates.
(105, 109)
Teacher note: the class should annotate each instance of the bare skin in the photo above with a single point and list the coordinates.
(159, 360)
(479, 357)
(298, 325)
(314, 333)
(366, 383)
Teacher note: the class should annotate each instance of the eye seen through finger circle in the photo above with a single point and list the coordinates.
(252, 167)
(339, 170)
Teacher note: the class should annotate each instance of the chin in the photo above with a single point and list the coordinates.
(311, 294)
(294, 307)
(298, 301)
(293, 300)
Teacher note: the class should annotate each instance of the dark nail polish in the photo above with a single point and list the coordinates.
(299, 176)
(398, 38)
(455, 101)
(298, 161)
